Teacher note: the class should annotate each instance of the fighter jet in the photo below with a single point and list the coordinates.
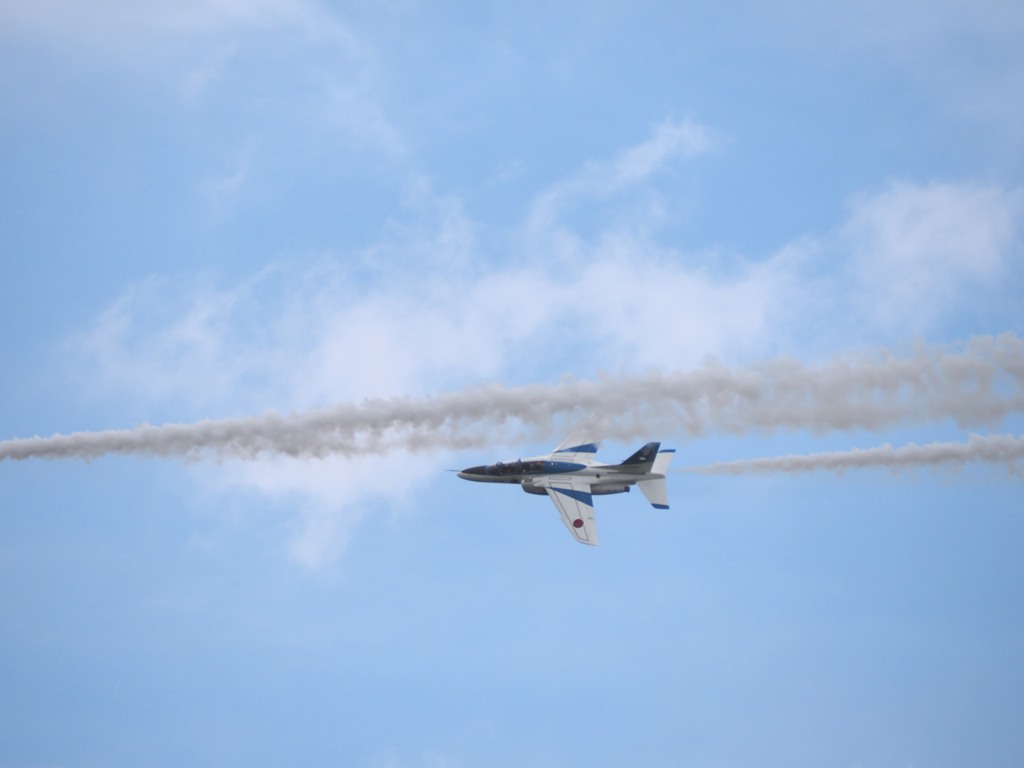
(572, 476)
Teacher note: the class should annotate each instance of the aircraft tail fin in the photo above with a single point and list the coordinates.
(643, 460)
(655, 489)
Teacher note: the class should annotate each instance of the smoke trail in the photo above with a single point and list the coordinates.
(999, 449)
(979, 383)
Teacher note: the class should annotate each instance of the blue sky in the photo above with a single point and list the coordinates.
(219, 209)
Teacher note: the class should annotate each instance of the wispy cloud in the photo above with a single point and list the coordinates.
(916, 250)
(670, 142)
(424, 310)
(329, 498)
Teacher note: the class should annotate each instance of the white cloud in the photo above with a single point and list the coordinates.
(917, 251)
(329, 496)
(650, 307)
(670, 142)
(422, 312)
(234, 349)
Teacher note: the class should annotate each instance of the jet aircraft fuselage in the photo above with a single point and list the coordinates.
(571, 476)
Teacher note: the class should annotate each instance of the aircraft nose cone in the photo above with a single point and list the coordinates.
(472, 473)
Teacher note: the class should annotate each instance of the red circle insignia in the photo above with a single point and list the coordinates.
(577, 523)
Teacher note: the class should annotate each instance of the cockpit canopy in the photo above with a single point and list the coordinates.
(517, 467)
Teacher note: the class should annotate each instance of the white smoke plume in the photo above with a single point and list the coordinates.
(997, 449)
(975, 384)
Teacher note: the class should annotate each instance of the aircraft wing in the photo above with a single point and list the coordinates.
(573, 499)
(581, 445)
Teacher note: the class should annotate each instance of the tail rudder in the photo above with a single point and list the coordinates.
(662, 460)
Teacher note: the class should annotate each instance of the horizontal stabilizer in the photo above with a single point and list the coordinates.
(655, 489)
(656, 492)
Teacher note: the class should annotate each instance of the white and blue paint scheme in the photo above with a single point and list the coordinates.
(572, 476)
